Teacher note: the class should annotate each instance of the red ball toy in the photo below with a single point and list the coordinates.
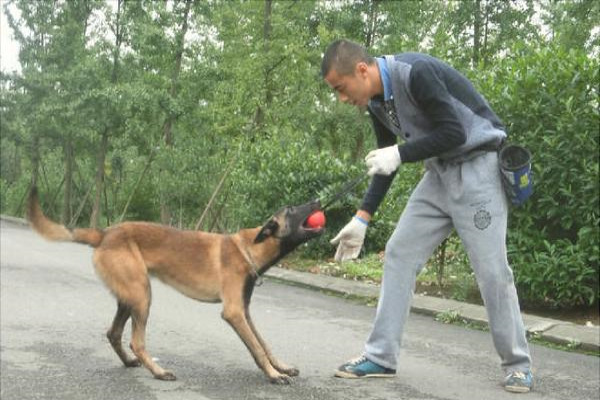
(316, 220)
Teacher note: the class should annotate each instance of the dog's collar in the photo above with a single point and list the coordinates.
(253, 265)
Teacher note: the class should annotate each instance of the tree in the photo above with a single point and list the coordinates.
(477, 31)
(141, 105)
(574, 23)
(112, 118)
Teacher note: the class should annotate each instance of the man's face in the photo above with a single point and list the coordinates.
(353, 89)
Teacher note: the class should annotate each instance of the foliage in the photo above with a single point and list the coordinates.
(185, 96)
(279, 172)
(560, 16)
(449, 317)
(549, 100)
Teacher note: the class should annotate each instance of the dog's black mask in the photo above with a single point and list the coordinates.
(289, 226)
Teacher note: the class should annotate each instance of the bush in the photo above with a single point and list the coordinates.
(549, 101)
(12, 196)
(385, 219)
(280, 172)
(275, 173)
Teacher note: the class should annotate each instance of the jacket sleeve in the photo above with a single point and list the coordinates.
(380, 184)
(431, 94)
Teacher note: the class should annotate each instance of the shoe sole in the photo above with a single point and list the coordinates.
(349, 375)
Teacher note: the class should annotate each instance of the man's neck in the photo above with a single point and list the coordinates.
(377, 83)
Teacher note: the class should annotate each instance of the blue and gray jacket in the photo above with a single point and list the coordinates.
(439, 114)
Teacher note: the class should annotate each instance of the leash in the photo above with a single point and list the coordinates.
(345, 190)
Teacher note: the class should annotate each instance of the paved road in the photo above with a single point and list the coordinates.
(54, 313)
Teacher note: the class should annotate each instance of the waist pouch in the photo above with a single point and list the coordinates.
(515, 166)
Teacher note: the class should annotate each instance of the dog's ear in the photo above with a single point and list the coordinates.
(267, 230)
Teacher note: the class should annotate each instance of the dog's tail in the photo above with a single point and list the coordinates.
(57, 232)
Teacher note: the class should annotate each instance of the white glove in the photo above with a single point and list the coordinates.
(383, 161)
(350, 240)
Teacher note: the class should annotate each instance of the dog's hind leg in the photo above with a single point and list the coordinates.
(140, 307)
(115, 334)
(124, 271)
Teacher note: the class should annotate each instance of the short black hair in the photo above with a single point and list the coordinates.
(342, 55)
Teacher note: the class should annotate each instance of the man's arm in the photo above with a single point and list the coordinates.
(433, 98)
(380, 184)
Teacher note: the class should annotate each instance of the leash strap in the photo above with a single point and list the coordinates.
(349, 186)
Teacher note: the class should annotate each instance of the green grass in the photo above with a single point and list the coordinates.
(457, 281)
(369, 268)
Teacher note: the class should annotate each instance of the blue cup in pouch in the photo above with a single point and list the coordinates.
(515, 166)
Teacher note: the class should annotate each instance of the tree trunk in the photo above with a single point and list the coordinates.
(215, 193)
(137, 184)
(99, 179)
(371, 24)
(80, 208)
(476, 32)
(100, 173)
(441, 263)
(486, 27)
(165, 212)
(68, 153)
(35, 159)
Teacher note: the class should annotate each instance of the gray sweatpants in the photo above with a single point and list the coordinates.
(469, 197)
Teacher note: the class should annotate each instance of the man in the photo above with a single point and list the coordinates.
(446, 122)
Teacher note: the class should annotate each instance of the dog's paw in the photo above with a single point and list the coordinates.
(281, 379)
(290, 371)
(166, 376)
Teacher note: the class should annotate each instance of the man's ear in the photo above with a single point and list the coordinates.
(362, 68)
(267, 230)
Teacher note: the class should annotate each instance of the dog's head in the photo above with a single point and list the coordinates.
(288, 225)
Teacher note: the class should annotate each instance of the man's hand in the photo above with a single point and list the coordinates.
(350, 240)
(383, 161)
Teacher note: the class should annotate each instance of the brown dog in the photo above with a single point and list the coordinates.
(204, 266)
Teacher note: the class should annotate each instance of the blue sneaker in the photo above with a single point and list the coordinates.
(519, 382)
(363, 368)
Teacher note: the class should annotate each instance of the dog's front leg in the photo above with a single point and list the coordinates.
(279, 366)
(233, 313)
